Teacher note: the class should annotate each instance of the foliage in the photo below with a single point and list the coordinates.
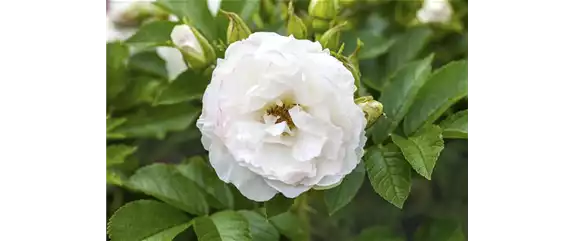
(411, 184)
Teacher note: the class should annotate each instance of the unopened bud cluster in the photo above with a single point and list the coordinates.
(322, 12)
(237, 29)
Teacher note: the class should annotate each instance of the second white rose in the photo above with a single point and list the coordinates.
(279, 116)
(435, 11)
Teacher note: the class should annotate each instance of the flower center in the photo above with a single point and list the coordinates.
(281, 111)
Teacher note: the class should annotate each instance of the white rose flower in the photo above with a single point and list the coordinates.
(120, 11)
(435, 11)
(175, 64)
(115, 33)
(279, 116)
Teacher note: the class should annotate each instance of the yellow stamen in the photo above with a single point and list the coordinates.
(282, 114)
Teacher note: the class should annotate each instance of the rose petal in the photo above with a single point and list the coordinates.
(289, 191)
(307, 146)
(174, 62)
(277, 129)
(213, 6)
(276, 161)
(248, 183)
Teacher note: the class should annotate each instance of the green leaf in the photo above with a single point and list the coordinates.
(456, 126)
(447, 230)
(167, 184)
(378, 233)
(260, 228)
(195, 11)
(112, 123)
(373, 34)
(147, 220)
(116, 154)
(222, 226)
(157, 121)
(407, 47)
(389, 173)
(141, 90)
(129, 166)
(341, 195)
(375, 45)
(205, 229)
(189, 85)
(445, 87)
(370, 75)
(156, 33)
(277, 205)
(115, 177)
(149, 62)
(422, 150)
(116, 73)
(218, 193)
(244, 8)
(290, 225)
(399, 94)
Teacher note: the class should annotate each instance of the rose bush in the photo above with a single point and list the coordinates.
(330, 120)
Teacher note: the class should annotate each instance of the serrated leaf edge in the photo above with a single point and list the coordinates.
(390, 153)
(201, 190)
(427, 174)
(130, 204)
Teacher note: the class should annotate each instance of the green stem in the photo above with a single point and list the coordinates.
(301, 208)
